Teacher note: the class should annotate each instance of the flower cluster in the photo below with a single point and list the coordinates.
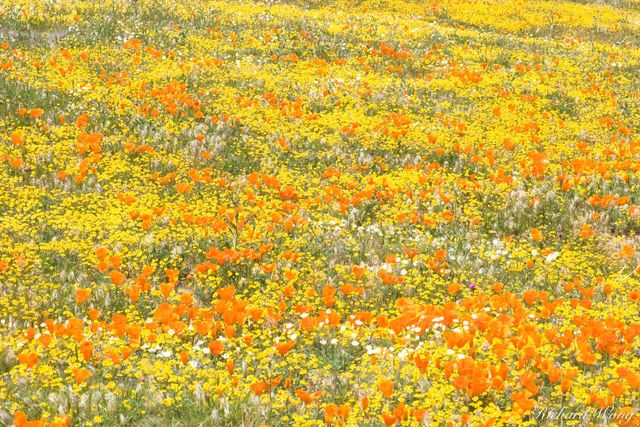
(312, 213)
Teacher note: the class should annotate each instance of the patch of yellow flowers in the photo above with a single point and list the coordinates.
(319, 213)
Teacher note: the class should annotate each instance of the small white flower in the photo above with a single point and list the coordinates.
(552, 256)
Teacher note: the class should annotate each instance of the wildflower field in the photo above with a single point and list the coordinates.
(309, 213)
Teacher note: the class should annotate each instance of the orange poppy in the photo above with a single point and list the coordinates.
(81, 374)
(216, 347)
(284, 348)
(117, 278)
(386, 388)
(28, 359)
(82, 295)
(536, 235)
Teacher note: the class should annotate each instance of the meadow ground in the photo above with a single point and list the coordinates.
(318, 213)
